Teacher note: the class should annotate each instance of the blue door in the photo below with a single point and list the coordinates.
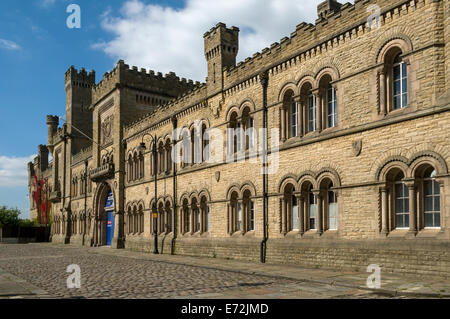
(109, 209)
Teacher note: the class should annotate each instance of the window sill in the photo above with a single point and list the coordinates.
(312, 233)
(430, 233)
(400, 233)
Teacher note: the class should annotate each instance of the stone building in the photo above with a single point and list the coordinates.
(362, 112)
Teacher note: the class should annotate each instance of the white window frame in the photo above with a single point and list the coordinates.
(403, 75)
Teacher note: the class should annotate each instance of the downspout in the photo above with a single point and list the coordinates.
(174, 199)
(122, 237)
(85, 199)
(67, 237)
(264, 79)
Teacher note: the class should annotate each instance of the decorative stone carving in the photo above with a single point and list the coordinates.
(107, 128)
(357, 147)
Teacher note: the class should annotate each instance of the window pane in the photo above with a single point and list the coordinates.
(333, 213)
(437, 220)
(397, 87)
(399, 221)
(429, 220)
(295, 217)
(428, 185)
(428, 204)
(404, 100)
(437, 203)
(397, 101)
(396, 72)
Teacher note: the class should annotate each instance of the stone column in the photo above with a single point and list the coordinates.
(323, 107)
(412, 207)
(442, 201)
(283, 123)
(301, 214)
(182, 218)
(384, 210)
(228, 218)
(319, 98)
(305, 118)
(382, 83)
(283, 215)
(319, 197)
(300, 116)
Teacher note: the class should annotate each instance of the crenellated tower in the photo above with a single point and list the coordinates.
(78, 85)
(221, 49)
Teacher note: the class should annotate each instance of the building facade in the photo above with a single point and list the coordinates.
(358, 119)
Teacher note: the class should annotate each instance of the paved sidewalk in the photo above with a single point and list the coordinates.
(39, 271)
(14, 287)
(391, 284)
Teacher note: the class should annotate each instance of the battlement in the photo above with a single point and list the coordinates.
(337, 24)
(187, 100)
(221, 39)
(328, 7)
(169, 84)
(80, 78)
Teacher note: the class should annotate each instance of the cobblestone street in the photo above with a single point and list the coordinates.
(107, 273)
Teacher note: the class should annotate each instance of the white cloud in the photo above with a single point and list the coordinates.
(13, 171)
(166, 39)
(47, 3)
(9, 45)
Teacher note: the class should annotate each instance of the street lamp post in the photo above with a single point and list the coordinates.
(142, 147)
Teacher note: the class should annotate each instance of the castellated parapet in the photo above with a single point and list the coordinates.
(80, 78)
(169, 86)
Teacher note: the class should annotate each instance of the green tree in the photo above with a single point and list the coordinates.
(28, 223)
(9, 216)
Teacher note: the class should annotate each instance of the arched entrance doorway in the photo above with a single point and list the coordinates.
(104, 217)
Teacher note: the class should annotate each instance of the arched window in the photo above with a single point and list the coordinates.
(168, 150)
(130, 168)
(168, 217)
(289, 210)
(234, 214)
(135, 166)
(234, 140)
(205, 143)
(248, 212)
(291, 117)
(141, 219)
(329, 204)
(401, 196)
(141, 165)
(329, 101)
(308, 108)
(161, 219)
(185, 148)
(393, 79)
(429, 210)
(309, 207)
(161, 158)
(205, 214)
(185, 217)
(398, 208)
(135, 221)
(400, 83)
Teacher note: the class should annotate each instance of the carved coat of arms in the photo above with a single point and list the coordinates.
(357, 147)
(107, 130)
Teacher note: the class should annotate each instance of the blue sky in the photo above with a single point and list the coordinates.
(36, 48)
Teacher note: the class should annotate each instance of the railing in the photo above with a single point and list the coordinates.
(103, 172)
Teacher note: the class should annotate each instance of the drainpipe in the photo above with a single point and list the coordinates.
(121, 216)
(85, 199)
(65, 137)
(264, 79)
(174, 199)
